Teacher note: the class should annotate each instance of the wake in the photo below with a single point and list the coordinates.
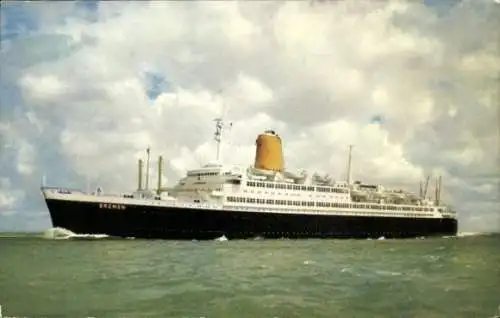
(59, 233)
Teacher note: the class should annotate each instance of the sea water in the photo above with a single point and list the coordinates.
(60, 274)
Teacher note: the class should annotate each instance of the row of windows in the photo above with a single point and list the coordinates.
(270, 185)
(269, 201)
(202, 174)
(326, 204)
(217, 188)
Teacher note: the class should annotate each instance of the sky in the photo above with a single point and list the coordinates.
(86, 87)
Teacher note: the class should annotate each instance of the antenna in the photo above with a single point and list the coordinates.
(426, 186)
(349, 164)
(147, 170)
(139, 175)
(219, 126)
(43, 183)
(436, 189)
(160, 174)
(439, 184)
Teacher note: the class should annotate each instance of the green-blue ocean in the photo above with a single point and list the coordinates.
(63, 275)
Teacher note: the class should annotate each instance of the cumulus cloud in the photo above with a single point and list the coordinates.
(414, 87)
(8, 197)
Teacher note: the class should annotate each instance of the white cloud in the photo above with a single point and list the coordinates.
(316, 73)
(43, 87)
(25, 156)
(8, 197)
(255, 92)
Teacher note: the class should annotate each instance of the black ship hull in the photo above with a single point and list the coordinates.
(160, 222)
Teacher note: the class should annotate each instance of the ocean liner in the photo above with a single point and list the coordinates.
(263, 200)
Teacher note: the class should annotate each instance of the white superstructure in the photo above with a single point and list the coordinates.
(239, 187)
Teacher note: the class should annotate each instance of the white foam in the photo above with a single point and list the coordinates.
(59, 233)
(388, 273)
(467, 234)
(223, 238)
(463, 234)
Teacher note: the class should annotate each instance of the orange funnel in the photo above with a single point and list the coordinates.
(268, 152)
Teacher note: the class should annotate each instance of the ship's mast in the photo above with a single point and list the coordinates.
(139, 175)
(438, 191)
(426, 187)
(218, 135)
(147, 170)
(349, 160)
(219, 126)
(160, 174)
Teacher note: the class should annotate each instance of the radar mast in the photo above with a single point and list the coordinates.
(220, 125)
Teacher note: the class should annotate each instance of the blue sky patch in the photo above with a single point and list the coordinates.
(89, 8)
(442, 7)
(155, 84)
(17, 20)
